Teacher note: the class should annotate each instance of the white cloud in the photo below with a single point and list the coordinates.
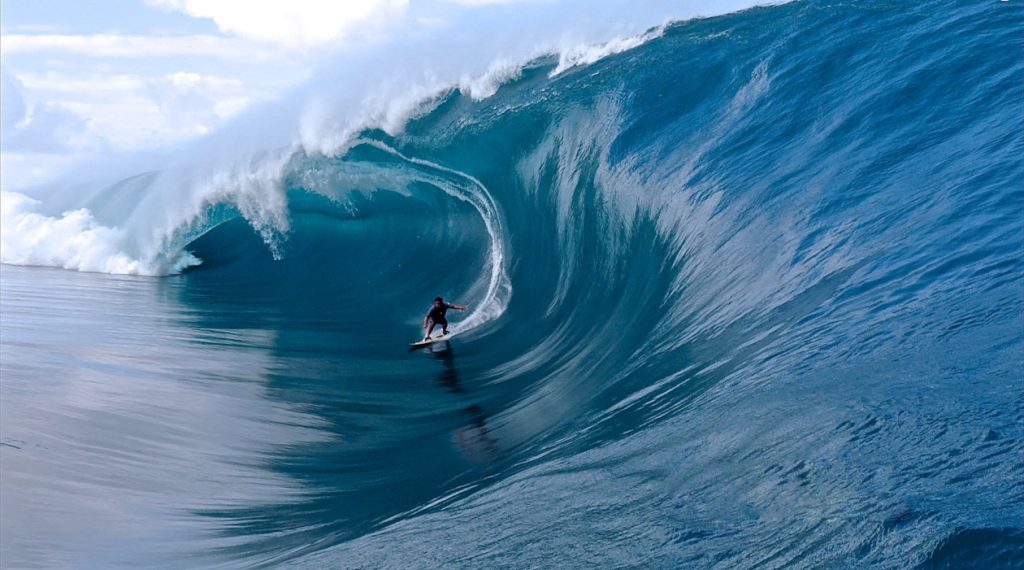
(13, 109)
(489, 2)
(195, 102)
(124, 46)
(26, 169)
(39, 128)
(294, 23)
(79, 86)
(31, 29)
(134, 111)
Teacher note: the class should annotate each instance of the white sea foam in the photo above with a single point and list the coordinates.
(499, 73)
(588, 54)
(73, 240)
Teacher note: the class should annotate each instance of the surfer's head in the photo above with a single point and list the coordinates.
(438, 301)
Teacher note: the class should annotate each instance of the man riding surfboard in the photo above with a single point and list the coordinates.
(436, 316)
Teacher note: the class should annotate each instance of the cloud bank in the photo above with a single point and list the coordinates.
(296, 24)
(40, 128)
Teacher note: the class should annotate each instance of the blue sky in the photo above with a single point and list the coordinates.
(109, 16)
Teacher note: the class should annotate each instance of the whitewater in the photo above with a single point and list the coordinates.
(745, 288)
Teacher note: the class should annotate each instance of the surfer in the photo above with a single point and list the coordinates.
(436, 316)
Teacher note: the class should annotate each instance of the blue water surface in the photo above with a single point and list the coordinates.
(764, 308)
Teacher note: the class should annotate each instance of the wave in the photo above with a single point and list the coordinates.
(152, 216)
(740, 263)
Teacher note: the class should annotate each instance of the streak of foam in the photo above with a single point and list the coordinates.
(588, 54)
(473, 192)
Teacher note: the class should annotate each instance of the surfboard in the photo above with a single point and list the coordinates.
(429, 341)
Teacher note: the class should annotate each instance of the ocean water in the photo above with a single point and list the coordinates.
(748, 294)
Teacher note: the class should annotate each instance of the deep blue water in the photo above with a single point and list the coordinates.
(748, 295)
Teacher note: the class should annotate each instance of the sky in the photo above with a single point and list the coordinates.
(80, 79)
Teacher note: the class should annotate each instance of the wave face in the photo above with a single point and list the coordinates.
(748, 294)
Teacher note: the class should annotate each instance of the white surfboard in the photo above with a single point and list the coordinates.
(429, 341)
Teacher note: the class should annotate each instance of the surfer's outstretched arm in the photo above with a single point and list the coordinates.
(458, 307)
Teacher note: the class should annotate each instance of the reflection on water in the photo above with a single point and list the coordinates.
(121, 421)
(131, 402)
(475, 439)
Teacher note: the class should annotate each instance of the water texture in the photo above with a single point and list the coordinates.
(748, 294)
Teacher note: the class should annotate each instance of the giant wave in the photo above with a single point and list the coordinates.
(755, 279)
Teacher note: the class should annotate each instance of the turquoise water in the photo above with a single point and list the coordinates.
(747, 295)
